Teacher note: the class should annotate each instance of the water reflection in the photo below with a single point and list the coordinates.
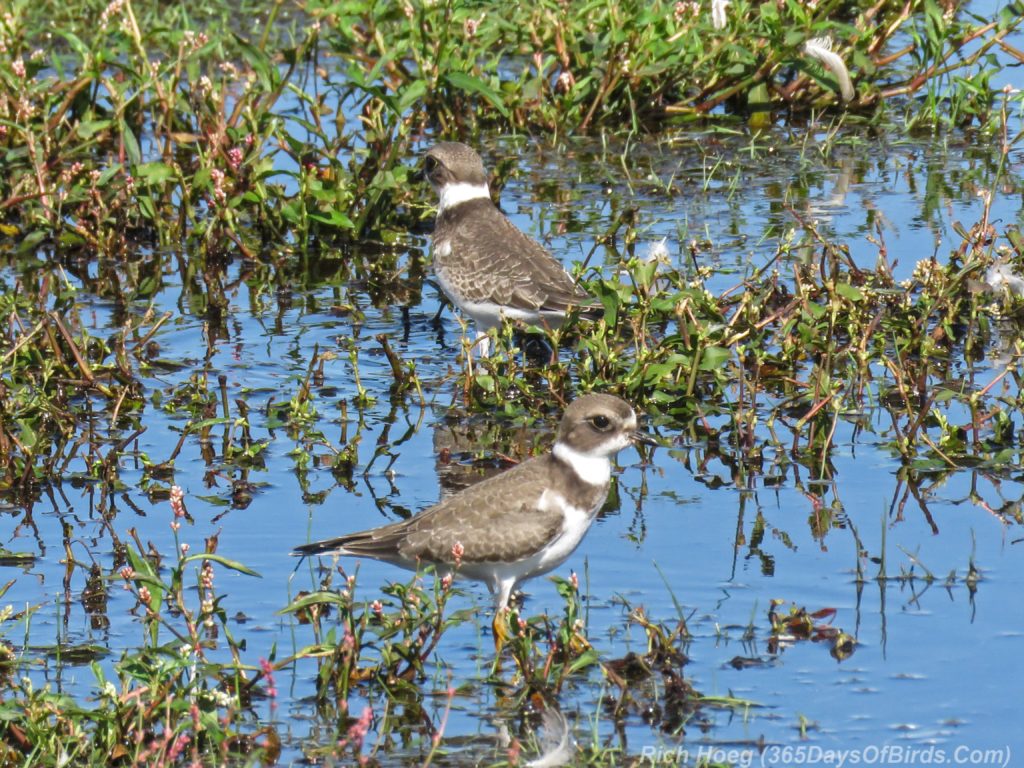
(252, 403)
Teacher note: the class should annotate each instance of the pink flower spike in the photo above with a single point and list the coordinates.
(357, 732)
(457, 552)
(268, 673)
(178, 747)
(177, 501)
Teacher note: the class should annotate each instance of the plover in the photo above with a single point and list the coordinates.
(484, 264)
(516, 525)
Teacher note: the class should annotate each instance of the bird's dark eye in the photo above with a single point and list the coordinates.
(601, 422)
(429, 164)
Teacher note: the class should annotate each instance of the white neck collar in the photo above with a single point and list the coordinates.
(592, 470)
(453, 194)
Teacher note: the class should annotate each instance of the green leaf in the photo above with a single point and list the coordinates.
(815, 310)
(586, 659)
(232, 564)
(142, 567)
(108, 174)
(213, 501)
(1004, 457)
(131, 144)
(410, 95)
(292, 212)
(714, 358)
(145, 574)
(155, 172)
(204, 423)
(463, 82)
(315, 598)
(847, 291)
(76, 44)
(333, 219)
(146, 207)
(260, 63)
(28, 434)
(29, 242)
(89, 128)
(201, 179)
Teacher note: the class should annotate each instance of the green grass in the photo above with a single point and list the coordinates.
(153, 125)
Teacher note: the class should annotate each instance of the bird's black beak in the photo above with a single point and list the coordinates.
(642, 438)
(423, 171)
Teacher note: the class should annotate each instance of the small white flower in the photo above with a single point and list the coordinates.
(223, 698)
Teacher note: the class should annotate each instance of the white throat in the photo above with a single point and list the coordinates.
(453, 194)
(592, 470)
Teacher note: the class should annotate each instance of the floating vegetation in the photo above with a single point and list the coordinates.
(799, 624)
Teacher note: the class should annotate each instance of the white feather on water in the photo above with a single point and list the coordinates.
(820, 49)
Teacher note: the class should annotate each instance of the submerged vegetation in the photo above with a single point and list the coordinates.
(150, 149)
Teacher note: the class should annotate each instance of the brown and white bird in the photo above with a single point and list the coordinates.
(484, 264)
(516, 525)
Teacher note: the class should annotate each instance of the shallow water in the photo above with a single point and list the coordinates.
(936, 663)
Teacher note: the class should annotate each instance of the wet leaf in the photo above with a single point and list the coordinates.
(232, 564)
(843, 646)
(77, 654)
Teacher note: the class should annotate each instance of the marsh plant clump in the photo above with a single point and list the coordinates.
(135, 125)
(163, 164)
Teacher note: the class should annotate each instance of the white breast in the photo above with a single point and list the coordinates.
(576, 523)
